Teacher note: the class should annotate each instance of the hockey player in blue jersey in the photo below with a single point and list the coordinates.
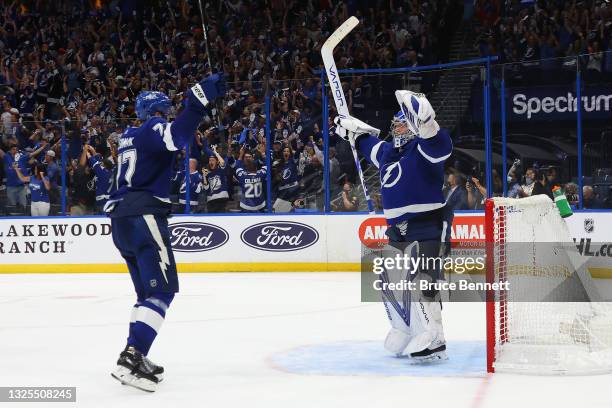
(139, 208)
(251, 182)
(411, 175)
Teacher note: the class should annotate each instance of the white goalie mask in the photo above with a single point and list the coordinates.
(399, 130)
(418, 113)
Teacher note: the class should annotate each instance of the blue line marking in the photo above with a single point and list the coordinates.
(369, 358)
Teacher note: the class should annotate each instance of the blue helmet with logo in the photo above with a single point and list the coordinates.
(150, 102)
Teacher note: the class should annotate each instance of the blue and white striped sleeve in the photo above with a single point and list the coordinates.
(372, 148)
(436, 149)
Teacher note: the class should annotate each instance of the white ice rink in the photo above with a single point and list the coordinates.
(254, 340)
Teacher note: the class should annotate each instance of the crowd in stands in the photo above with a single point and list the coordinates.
(555, 32)
(469, 193)
(75, 68)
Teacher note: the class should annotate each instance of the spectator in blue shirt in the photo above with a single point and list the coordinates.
(15, 187)
(39, 190)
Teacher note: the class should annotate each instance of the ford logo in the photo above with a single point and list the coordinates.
(279, 236)
(196, 236)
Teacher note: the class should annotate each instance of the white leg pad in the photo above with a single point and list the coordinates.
(426, 324)
(396, 341)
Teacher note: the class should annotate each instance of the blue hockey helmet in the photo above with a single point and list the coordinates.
(150, 102)
(399, 130)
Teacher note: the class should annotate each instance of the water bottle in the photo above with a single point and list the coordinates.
(561, 201)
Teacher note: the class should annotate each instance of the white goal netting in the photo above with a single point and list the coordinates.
(551, 319)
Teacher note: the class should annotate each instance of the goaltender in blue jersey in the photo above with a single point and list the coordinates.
(411, 171)
(139, 209)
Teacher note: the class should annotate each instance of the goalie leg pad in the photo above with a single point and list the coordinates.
(426, 324)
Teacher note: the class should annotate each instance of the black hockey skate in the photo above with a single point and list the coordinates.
(135, 369)
(430, 355)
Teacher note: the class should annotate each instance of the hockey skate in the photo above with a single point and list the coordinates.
(136, 370)
(429, 355)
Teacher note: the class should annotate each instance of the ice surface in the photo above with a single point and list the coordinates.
(254, 340)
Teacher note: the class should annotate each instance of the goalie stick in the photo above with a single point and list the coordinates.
(327, 53)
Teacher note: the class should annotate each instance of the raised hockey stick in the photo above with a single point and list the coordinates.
(217, 104)
(327, 53)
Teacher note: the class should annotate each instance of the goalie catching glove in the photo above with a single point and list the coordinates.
(420, 116)
(351, 128)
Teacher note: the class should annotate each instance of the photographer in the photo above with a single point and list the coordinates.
(541, 184)
(347, 201)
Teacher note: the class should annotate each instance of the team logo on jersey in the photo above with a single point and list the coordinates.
(391, 175)
(215, 183)
(286, 174)
(196, 236)
(280, 236)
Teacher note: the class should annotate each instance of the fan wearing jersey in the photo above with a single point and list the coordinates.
(411, 176)
(103, 170)
(139, 210)
(215, 182)
(288, 181)
(251, 182)
(195, 185)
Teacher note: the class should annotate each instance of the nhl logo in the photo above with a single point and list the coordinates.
(589, 225)
(153, 283)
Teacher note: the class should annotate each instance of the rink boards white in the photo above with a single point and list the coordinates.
(237, 243)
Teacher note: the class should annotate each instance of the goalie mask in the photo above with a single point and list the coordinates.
(399, 130)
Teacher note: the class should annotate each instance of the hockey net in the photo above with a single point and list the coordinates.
(551, 319)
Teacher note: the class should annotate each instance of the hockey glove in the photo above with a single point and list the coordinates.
(207, 90)
(420, 116)
(351, 128)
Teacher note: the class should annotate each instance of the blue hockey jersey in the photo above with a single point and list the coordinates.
(38, 191)
(288, 180)
(195, 188)
(251, 185)
(102, 179)
(217, 184)
(411, 180)
(144, 164)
